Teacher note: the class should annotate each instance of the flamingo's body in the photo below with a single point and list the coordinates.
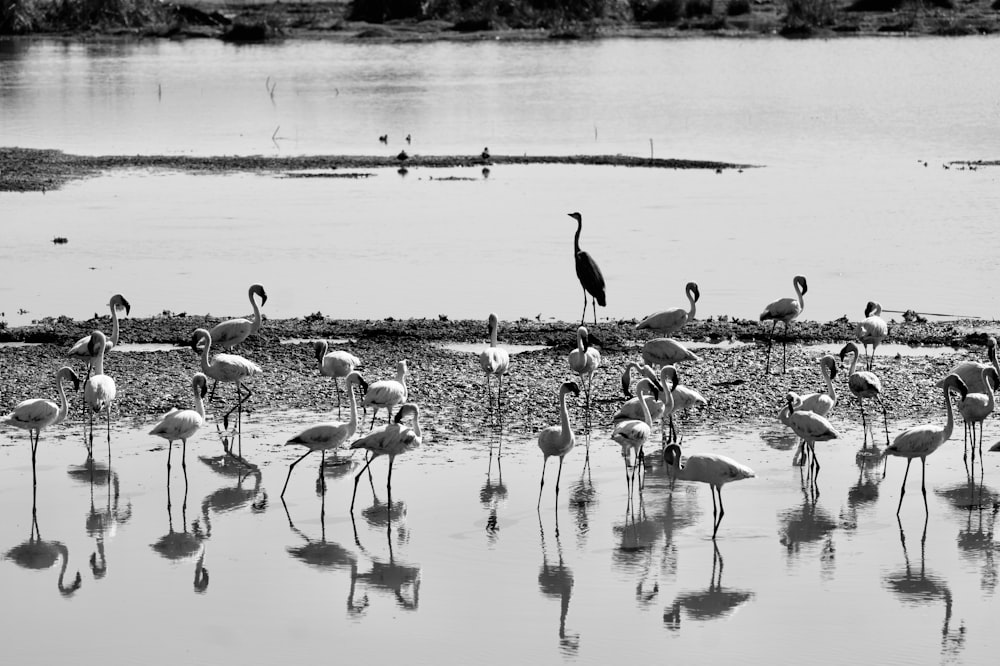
(872, 330)
(182, 424)
(589, 274)
(36, 414)
(818, 403)
(709, 468)
(632, 435)
(387, 393)
(784, 310)
(390, 440)
(229, 333)
(863, 385)
(327, 436)
(100, 390)
(81, 349)
(666, 351)
(923, 440)
(584, 360)
(681, 397)
(810, 427)
(975, 407)
(971, 372)
(226, 368)
(494, 361)
(557, 440)
(337, 364)
(670, 321)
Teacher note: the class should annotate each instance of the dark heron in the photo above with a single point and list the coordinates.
(590, 275)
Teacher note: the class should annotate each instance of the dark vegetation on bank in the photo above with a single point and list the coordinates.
(246, 21)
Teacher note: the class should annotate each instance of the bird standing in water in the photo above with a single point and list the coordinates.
(589, 274)
(337, 363)
(710, 468)
(783, 310)
(182, 424)
(872, 330)
(557, 440)
(100, 390)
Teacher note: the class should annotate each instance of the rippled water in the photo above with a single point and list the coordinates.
(461, 565)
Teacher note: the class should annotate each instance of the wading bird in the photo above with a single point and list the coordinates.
(584, 361)
(227, 334)
(81, 350)
(387, 393)
(872, 330)
(182, 424)
(783, 310)
(659, 352)
(971, 372)
(670, 321)
(864, 384)
(713, 469)
(974, 408)
(390, 440)
(682, 397)
(589, 274)
(631, 409)
(494, 361)
(226, 368)
(923, 440)
(810, 427)
(632, 435)
(327, 436)
(99, 391)
(819, 403)
(337, 363)
(557, 440)
(36, 414)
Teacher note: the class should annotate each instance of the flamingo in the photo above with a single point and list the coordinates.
(336, 364)
(557, 440)
(923, 440)
(229, 333)
(182, 424)
(391, 440)
(711, 468)
(808, 426)
(864, 384)
(819, 403)
(584, 361)
(670, 321)
(631, 408)
(632, 434)
(666, 351)
(589, 274)
(327, 436)
(387, 393)
(971, 372)
(80, 349)
(974, 408)
(36, 414)
(784, 310)
(682, 397)
(872, 330)
(228, 368)
(494, 360)
(99, 390)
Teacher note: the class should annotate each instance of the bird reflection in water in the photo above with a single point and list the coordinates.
(491, 494)
(321, 553)
(637, 538)
(556, 580)
(36, 553)
(583, 499)
(402, 580)
(921, 588)
(103, 523)
(806, 524)
(711, 604)
(864, 492)
(183, 545)
(230, 498)
(980, 504)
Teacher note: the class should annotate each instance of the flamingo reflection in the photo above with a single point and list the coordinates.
(806, 524)
(37, 553)
(713, 603)
(103, 523)
(230, 498)
(176, 546)
(320, 553)
(402, 580)
(583, 499)
(556, 580)
(491, 494)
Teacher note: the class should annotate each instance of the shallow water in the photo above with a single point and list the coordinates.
(464, 555)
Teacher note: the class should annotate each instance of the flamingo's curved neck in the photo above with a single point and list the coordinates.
(798, 293)
(256, 315)
(98, 361)
(114, 326)
(646, 417)
(416, 424)
(830, 388)
(63, 402)
(694, 306)
(991, 397)
(950, 425)
(854, 362)
(564, 415)
(204, 354)
(401, 378)
(199, 405)
(992, 353)
(493, 335)
(580, 347)
(64, 552)
(352, 425)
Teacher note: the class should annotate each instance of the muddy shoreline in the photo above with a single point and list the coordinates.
(449, 385)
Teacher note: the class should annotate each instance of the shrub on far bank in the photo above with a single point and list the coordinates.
(77, 14)
(698, 8)
(801, 16)
(739, 7)
(658, 11)
(19, 16)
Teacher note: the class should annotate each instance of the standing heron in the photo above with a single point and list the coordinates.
(709, 468)
(337, 363)
(589, 274)
(783, 310)
(864, 384)
(923, 440)
(670, 321)
(557, 440)
(182, 424)
(81, 350)
(493, 360)
(99, 390)
(36, 414)
(872, 330)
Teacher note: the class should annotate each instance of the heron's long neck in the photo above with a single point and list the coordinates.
(950, 425)
(691, 312)
(256, 315)
(114, 326)
(576, 238)
(564, 415)
(199, 405)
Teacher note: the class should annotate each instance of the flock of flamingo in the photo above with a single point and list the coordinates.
(659, 394)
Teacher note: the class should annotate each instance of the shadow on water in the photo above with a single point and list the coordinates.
(713, 603)
(556, 580)
(385, 575)
(37, 553)
(321, 553)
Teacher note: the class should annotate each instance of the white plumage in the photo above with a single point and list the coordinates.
(818, 402)
(100, 390)
(229, 333)
(584, 360)
(337, 364)
(666, 351)
(493, 360)
(670, 321)
(632, 435)
(81, 349)
(631, 409)
(681, 397)
(390, 440)
(784, 310)
(557, 440)
(387, 393)
(971, 372)
(974, 408)
(863, 385)
(326, 436)
(36, 414)
(809, 426)
(872, 330)
(923, 440)
(182, 424)
(710, 468)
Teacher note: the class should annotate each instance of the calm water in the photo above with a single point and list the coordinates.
(463, 562)
(845, 197)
